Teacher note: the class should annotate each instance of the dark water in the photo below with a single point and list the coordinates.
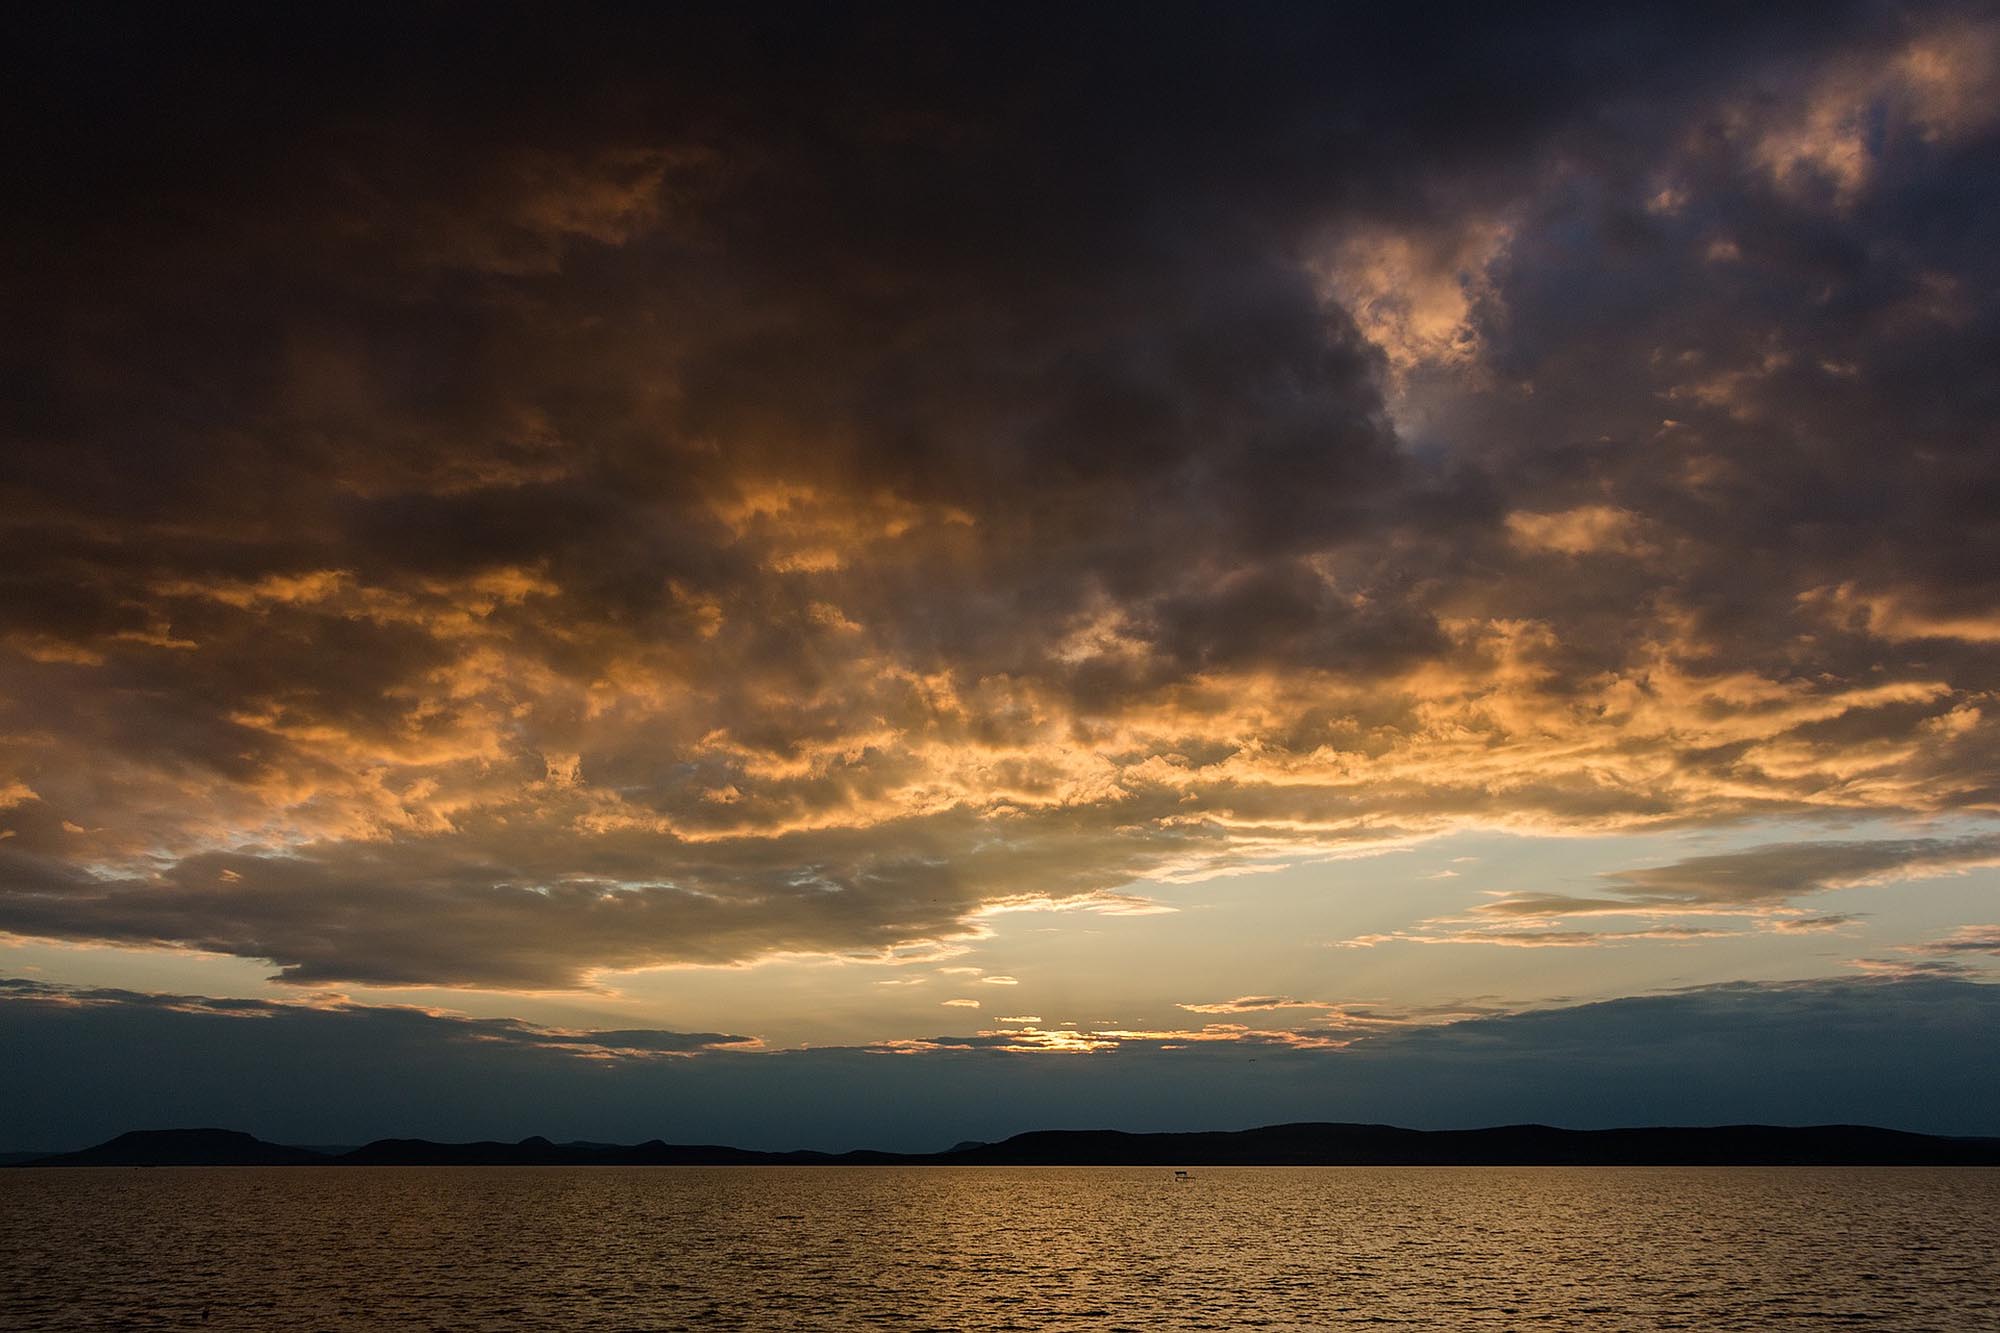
(999, 1248)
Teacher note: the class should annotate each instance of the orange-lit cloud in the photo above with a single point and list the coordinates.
(516, 552)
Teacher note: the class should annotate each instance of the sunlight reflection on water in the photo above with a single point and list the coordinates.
(998, 1248)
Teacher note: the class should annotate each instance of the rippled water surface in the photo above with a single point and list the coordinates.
(999, 1248)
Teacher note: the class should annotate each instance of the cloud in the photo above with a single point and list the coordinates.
(428, 1026)
(1533, 939)
(1915, 1052)
(1964, 940)
(1413, 294)
(1904, 969)
(1759, 881)
(1814, 925)
(563, 535)
(1961, 953)
(1585, 530)
(1248, 1004)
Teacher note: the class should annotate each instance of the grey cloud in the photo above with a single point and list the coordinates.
(401, 1024)
(1760, 879)
(1806, 925)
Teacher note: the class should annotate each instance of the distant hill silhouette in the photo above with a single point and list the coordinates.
(185, 1147)
(1273, 1145)
(1510, 1145)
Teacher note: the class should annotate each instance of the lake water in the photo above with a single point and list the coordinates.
(999, 1248)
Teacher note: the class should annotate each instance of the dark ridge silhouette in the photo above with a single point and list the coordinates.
(1273, 1145)
(1509, 1145)
(184, 1147)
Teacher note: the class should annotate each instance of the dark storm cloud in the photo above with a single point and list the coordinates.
(1917, 1053)
(487, 497)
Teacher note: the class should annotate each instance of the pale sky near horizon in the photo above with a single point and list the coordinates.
(1282, 932)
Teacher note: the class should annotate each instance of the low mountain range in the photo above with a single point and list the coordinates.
(1273, 1145)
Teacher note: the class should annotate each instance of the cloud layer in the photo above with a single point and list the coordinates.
(1919, 1053)
(646, 495)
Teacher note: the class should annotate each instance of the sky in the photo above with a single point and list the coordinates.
(837, 575)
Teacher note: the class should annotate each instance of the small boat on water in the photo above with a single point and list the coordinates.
(1183, 1177)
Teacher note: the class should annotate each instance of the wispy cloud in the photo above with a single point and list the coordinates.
(1761, 884)
(1965, 940)
(1760, 879)
(1247, 1004)
(1533, 939)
